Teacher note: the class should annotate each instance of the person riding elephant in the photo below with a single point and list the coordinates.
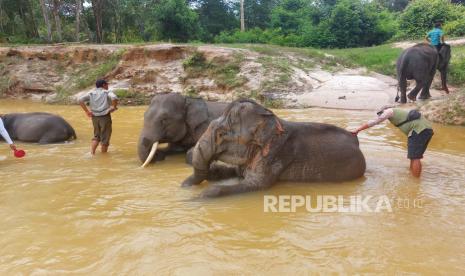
(38, 127)
(420, 63)
(265, 149)
(177, 120)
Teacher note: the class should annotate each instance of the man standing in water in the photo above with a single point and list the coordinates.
(6, 136)
(436, 36)
(412, 124)
(101, 102)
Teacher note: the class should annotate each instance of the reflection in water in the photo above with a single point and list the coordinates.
(65, 211)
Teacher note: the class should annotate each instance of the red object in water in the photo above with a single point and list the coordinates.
(19, 153)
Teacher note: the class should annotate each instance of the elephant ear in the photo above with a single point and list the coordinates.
(196, 113)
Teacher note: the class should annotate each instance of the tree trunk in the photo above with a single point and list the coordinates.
(56, 15)
(78, 17)
(27, 16)
(97, 9)
(47, 21)
(242, 16)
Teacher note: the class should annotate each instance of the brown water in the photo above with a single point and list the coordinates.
(64, 211)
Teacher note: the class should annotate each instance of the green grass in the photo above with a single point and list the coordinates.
(457, 66)
(4, 84)
(224, 72)
(381, 59)
(131, 97)
(278, 71)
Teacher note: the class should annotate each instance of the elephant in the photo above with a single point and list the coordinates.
(38, 127)
(177, 120)
(264, 149)
(420, 63)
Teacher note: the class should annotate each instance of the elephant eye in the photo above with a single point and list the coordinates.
(220, 133)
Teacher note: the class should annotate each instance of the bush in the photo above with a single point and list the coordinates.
(420, 16)
(350, 24)
(456, 27)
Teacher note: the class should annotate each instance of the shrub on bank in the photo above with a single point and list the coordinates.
(419, 17)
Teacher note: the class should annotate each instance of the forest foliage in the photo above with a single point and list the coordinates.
(300, 23)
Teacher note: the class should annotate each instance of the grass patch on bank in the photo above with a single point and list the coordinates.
(4, 85)
(381, 59)
(457, 65)
(278, 71)
(225, 73)
(88, 74)
(132, 97)
(85, 76)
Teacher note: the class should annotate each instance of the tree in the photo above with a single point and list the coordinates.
(175, 20)
(394, 5)
(56, 15)
(215, 16)
(78, 18)
(46, 20)
(290, 16)
(420, 16)
(27, 16)
(242, 17)
(97, 8)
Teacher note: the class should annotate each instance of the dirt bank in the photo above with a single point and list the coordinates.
(277, 77)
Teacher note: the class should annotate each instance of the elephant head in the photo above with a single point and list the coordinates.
(244, 130)
(443, 64)
(171, 118)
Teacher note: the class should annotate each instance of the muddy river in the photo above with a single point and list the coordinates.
(63, 211)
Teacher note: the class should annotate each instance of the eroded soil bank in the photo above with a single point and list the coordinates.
(275, 76)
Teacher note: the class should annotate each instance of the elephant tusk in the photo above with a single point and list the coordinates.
(151, 154)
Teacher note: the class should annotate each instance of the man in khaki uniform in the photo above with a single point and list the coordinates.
(102, 103)
(419, 132)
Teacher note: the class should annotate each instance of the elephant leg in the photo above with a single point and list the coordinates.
(425, 91)
(403, 90)
(424, 95)
(413, 94)
(195, 179)
(253, 181)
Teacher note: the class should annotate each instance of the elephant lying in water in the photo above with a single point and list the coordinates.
(177, 120)
(266, 149)
(420, 63)
(38, 127)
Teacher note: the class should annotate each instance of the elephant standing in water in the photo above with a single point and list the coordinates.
(38, 127)
(420, 63)
(266, 149)
(176, 120)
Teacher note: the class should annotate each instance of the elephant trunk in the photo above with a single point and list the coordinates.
(146, 146)
(202, 156)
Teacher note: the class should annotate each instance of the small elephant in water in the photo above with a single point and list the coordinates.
(38, 127)
(420, 63)
(264, 149)
(177, 120)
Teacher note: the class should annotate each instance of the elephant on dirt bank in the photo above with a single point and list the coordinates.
(177, 120)
(38, 127)
(265, 149)
(420, 63)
